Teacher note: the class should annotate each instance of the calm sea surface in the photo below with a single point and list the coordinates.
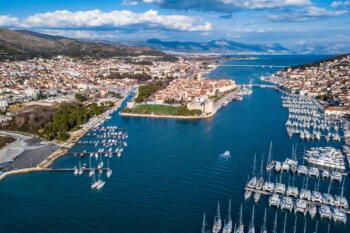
(171, 172)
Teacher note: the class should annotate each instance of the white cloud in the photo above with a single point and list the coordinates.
(152, 1)
(309, 13)
(7, 21)
(263, 4)
(336, 4)
(130, 3)
(319, 12)
(64, 19)
(81, 34)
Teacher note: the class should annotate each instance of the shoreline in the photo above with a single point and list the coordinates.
(64, 147)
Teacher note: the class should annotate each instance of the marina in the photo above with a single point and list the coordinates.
(171, 173)
(307, 119)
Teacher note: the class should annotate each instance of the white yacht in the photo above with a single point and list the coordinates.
(339, 216)
(300, 206)
(316, 197)
(325, 174)
(312, 210)
(302, 170)
(292, 191)
(269, 186)
(313, 171)
(280, 188)
(287, 203)
(278, 166)
(274, 200)
(325, 212)
(305, 194)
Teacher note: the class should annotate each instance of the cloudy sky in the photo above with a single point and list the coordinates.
(289, 22)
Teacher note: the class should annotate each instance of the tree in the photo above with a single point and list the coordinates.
(79, 97)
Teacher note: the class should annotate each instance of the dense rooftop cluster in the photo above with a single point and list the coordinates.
(23, 81)
(188, 90)
(329, 81)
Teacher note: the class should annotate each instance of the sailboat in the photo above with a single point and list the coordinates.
(92, 170)
(100, 164)
(80, 170)
(260, 182)
(252, 227)
(109, 170)
(217, 221)
(101, 183)
(204, 223)
(228, 226)
(341, 201)
(76, 170)
(240, 228)
(94, 182)
(270, 164)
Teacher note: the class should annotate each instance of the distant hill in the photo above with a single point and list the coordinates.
(23, 44)
(214, 46)
(323, 48)
(317, 63)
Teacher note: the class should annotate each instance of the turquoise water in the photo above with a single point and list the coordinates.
(170, 174)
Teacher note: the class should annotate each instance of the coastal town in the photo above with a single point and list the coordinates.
(328, 81)
(34, 91)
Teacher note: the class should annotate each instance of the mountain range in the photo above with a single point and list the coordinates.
(214, 46)
(24, 44)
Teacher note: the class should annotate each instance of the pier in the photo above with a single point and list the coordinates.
(267, 193)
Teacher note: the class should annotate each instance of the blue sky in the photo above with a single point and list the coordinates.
(289, 22)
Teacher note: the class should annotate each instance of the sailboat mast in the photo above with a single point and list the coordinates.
(264, 223)
(204, 223)
(218, 214)
(295, 224)
(229, 210)
(252, 220)
(275, 224)
(305, 225)
(285, 223)
(254, 165)
(241, 216)
(262, 165)
(316, 227)
(329, 186)
(270, 153)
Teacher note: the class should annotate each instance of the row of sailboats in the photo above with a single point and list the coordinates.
(228, 226)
